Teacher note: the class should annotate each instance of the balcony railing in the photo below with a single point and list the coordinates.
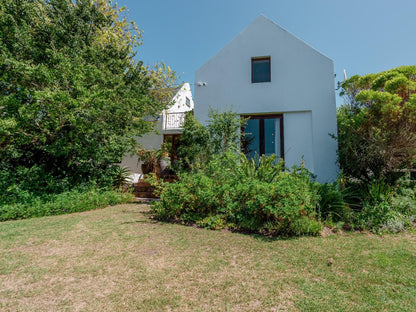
(173, 121)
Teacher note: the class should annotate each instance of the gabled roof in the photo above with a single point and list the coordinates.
(265, 20)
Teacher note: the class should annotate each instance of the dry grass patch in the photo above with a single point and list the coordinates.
(118, 259)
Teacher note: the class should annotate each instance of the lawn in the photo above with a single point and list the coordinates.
(118, 259)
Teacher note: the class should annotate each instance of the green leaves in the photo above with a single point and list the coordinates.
(235, 192)
(72, 97)
(377, 125)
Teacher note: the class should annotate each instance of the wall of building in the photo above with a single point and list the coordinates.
(298, 138)
(154, 140)
(301, 87)
(149, 141)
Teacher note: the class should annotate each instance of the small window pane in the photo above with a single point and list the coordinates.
(252, 137)
(272, 136)
(260, 70)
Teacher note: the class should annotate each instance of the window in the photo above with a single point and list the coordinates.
(264, 135)
(260, 69)
(188, 102)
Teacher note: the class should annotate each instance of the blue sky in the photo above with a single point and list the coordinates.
(362, 36)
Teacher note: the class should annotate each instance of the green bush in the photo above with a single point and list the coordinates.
(332, 206)
(76, 200)
(244, 195)
(200, 144)
(381, 208)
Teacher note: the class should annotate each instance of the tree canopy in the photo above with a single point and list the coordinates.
(72, 96)
(377, 124)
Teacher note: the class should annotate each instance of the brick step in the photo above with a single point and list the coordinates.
(145, 194)
(143, 189)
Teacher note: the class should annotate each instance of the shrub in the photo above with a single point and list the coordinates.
(376, 126)
(249, 196)
(200, 144)
(382, 208)
(381, 217)
(332, 206)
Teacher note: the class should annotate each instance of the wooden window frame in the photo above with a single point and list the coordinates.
(261, 119)
(262, 58)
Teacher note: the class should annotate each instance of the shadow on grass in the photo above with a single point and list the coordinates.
(140, 221)
(266, 238)
(150, 218)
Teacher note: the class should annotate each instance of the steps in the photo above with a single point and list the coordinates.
(143, 189)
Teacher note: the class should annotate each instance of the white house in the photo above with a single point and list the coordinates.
(284, 85)
(168, 127)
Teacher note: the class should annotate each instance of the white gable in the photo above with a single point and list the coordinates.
(301, 88)
(263, 31)
(182, 101)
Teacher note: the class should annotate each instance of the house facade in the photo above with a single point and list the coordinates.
(286, 89)
(168, 128)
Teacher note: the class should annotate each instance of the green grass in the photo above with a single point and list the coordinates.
(76, 200)
(118, 259)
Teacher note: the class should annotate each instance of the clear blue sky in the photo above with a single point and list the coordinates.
(362, 36)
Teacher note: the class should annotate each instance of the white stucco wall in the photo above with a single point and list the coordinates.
(149, 142)
(301, 88)
(298, 138)
(154, 140)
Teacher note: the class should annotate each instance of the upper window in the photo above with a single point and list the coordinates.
(188, 102)
(260, 69)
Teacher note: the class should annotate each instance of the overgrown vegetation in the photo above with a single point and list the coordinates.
(219, 187)
(72, 97)
(377, 148)
(377, 125)
(231, 191)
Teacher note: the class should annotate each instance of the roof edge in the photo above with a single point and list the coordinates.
(262, 16)
(301, 40)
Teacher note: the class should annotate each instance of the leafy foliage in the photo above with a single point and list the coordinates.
(223, 193)
(72, 98)
(332, 204)
(377, 125)
(199, 144)
(377, 144)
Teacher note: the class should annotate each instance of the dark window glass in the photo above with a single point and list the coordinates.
(252, 138)
(263, 135)
(260, 69)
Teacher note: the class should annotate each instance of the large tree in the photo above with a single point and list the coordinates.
(72, 96)
(377, 124)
